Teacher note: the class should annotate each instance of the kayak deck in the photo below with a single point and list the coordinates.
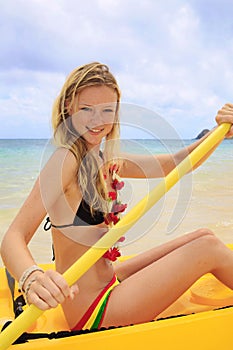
(206, 326)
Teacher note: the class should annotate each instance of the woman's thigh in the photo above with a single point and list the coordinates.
(148, 292)
(140, 261)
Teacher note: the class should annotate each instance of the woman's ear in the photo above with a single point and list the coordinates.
(69, 107)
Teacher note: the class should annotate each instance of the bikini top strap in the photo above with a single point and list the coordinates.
(48, 225)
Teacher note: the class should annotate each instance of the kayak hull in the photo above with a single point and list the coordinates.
(201, 318)
(211, 330)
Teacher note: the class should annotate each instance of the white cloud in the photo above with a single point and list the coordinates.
(184, 28)
(171, 56)
(28, 102)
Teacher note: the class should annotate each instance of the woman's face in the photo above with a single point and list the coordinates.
(93, 113)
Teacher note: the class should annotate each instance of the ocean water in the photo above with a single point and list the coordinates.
(204, 199)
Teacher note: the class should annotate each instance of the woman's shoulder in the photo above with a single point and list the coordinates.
(62, 162)
(65, 156)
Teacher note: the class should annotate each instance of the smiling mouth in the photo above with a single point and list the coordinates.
(94, 131)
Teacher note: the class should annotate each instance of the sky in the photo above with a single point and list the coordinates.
(172, 57)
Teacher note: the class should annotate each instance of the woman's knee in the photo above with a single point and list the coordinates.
(205, 232)
(202, 232)
(208, 240)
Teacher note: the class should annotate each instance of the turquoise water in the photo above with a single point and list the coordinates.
(212, 184)
(21, 161)
(19, 166)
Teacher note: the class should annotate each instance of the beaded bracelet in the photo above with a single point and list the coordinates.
(28, 288)
(26, 274)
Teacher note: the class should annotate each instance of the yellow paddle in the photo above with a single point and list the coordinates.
(30, 315)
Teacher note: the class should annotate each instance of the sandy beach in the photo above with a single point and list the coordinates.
(206, 205)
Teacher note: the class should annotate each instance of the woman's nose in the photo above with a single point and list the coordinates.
(97, 116)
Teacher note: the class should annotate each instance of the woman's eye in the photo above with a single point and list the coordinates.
(108, 110)
(86, 109)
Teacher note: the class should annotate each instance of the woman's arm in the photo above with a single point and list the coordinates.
(51, 184)
(15, 253)
(154, 166)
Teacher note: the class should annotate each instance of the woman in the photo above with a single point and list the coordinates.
(79, 189)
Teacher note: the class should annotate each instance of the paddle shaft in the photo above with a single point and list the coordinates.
(30, 315)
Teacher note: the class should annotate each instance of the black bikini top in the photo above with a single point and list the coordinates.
(83, 217)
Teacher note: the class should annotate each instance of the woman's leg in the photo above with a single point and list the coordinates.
(130, 266)
(148, 292)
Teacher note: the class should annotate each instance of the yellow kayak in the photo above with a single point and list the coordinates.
(193, 325)
(202, 318)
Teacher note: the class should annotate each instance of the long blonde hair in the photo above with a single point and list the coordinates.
(90, 178)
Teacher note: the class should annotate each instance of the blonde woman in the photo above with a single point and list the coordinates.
(79, 189)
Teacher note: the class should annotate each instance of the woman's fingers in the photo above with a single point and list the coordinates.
(57, 284)
(50, 289)
(225, 115)
(33, 298)
(74, 290)
(226, 110)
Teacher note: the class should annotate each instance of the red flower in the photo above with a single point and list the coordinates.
(111, 217)
(119, 208)
(112, 254)
(116, 185)
(112, 195)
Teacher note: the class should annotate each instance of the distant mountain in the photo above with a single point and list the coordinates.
(202, 133)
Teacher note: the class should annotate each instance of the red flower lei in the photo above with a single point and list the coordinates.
(116, 208)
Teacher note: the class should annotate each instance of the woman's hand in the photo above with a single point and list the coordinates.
(225, 115)
(47, 290)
